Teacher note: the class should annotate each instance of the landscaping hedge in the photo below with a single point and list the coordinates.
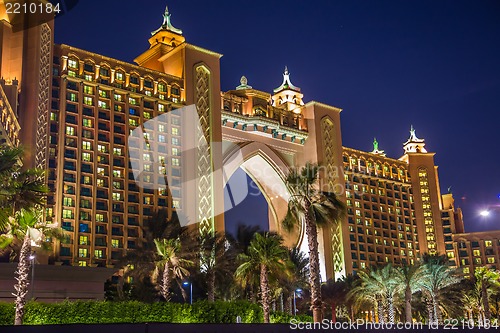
(102, 312)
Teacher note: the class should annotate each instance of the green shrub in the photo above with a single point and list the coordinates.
(102, 312)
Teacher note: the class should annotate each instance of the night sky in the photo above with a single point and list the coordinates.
(387, 64)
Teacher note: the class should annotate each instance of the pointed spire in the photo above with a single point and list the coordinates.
(414, 144)
(167, 24)
(376, 151)
(287, 84)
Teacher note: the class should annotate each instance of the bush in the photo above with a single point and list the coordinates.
(102, 312)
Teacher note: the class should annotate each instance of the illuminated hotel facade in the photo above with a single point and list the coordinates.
(77, 110)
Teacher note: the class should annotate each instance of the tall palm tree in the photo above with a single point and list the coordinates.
(486, 279)
(27, 225)
(173, 266)
(472, 302)
(411, 277)
(335, 293)
(314, 208)
(217, 260)
(438, 276)
(267, 253)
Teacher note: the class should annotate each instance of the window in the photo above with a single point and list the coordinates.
(132, 101)
(70, 130)
(101, 148)
(119, 76)
(161, 108)
(117, 151)
(103, 104)
(84, 240)
(466, 270)
(175, 161)
(86, 157)
(68, 202)
(72, 63)
(86, 145)
(82, 253)
(115, 243)
(89, 90)
(98, 254)
(175, 131)
(488, 243)
(118, 98)
(88, 100)
(162, 88)
(67, 214)
(491, 260)
(99, 217)
(476, 253)
(175, 91)
(117, 173)
(175, 141)
(161, 138)
(87, 122)
(117, 196)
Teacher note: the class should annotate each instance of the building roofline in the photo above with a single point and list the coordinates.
(333, 108)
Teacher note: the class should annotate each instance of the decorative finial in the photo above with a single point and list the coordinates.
(167, 24)
(414, 144)
(375, 148)
(244, 83)
(286, 71)
(287, 84)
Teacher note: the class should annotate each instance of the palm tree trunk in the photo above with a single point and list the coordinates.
(21, 287)
(264, 289)
(430, 310)
(408, 295)
(380, 310)
(183, 292)
(390, 302)
(211, 285)
(288, 305)
(334, 312)
(166, 282)
(314, 271)
(486, 303)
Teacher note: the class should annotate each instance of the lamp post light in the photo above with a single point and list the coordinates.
(296, 293)
(185, 284)
(32, 260)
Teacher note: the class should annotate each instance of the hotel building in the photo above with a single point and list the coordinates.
(75, 110)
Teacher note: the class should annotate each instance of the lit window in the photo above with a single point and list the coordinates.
(98, 254)
(103, 104)
(72, 63)
(146, 157)
(100, 171)
(104, 93)
(147, 200)
(101, 148)
(99, 217)
(117, 196)
(162, 87)
(118, 97)
(119, 76)
(176, 204)
(488, 243)
(161, 108)
(87, 122)
(175, 131)
(88, 77)
(476, 253)
(148, 93)
(88, 100)
(86, 180)
(84, 240)
(466, 270)
(82, 263)
(70, 130)
(86, 145)
(450, 254)
(115, 243)
(68, 202)
(133, 122)
(117, 151)
(82, 253)
(117, 173)
(161, 138)
(147, 167)
(175, 141)
(132, 101)
(67, 214)
(491, 260)
(89, 90)
(146, 115)
(86, 157)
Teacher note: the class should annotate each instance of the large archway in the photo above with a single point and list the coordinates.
(267, 170)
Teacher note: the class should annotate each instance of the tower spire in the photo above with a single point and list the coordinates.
(414, 144)
(167, 24)
(287, 84)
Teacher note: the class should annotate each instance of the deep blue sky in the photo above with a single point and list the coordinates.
(388, 64)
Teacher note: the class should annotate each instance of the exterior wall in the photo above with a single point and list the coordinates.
(476, 249)
(96, 102)
(382, 225)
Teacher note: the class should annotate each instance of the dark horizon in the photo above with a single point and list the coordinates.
(389, 65)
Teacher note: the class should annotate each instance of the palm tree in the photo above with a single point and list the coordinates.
(28, 226)
(217, 258)
(335, 293)
(267, 253)
(486, 279)
(173, 266)
(438, 276)
(412, 277)
(472, 301)
(315, 208)
(295, 277)
(380, 285)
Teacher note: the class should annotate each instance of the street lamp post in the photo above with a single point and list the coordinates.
(187, 283)
(295, 294)
(32, 260)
